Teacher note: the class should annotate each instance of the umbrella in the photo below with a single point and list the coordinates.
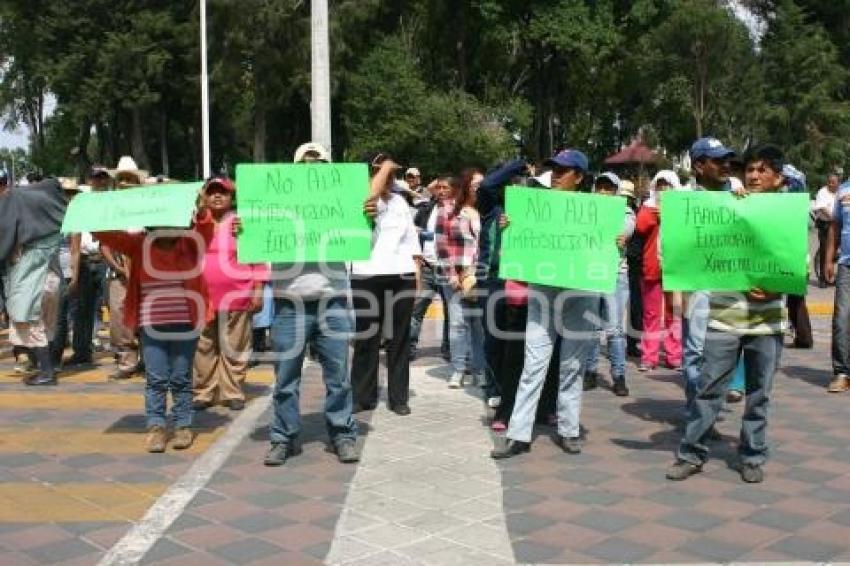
(635, 153)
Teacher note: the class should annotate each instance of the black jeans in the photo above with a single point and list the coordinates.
(382, 302)
(91, 286)
(798, 313)
(508, 358)
(67, 312)
(823, 232)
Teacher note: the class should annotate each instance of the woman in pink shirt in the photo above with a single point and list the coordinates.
(235, 293)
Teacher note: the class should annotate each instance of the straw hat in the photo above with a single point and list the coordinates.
(128, 172)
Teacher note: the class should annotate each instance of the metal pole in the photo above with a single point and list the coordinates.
(320, 107)
(205, 93)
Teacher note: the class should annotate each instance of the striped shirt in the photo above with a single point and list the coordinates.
(737, 314)
(163, 302)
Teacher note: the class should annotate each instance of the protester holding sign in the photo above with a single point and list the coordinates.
(235, 293)
(311, 309)
(662, 321)
(167, 303)
(751, 323)
(383, 290)
(839, 233)
(458, 232)
(553, 311)
(613, 305)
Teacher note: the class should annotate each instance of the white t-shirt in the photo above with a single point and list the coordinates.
(824, 204)
(394, 241)
(429, 247)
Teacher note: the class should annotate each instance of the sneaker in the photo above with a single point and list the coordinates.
(236, 404)
(346, 451)
(498, 426)
(840, 384)
(734, 396)
(75, 362)
(183, 438)
(201, 405)
(121, 374)
(156, 439)
(456, 380)
(752, 473)
(279, 453)
(643, 368)
(570, 445)
(401, 410)
(41, 378)
(507, 448)
(591, 380)
(494, 402)
(620, 389)
(682, 470)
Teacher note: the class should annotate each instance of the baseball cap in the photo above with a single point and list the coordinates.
(311, 147)
(627, 188)
(570, 158)
(222, 182)
(613, 178)
(413, 171)
(712, 148)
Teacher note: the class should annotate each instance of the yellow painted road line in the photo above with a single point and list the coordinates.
(820, 309)
(22, 502)
(435, 311)
(83, 441)
(263, 376)
(71, 401)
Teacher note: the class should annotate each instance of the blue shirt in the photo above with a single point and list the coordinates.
(841, 215)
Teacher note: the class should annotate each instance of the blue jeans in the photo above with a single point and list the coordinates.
(168, 351)
(430, 289)
(326, 326)
(553, 312)
(761, 356)
(614, 319)
(841, 322)
(694, 328)
(466, 333)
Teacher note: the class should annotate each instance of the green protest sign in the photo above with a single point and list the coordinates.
(714, 241)
(303, 212)
(562, 239)
(168, 205)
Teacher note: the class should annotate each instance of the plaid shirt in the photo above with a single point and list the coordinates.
(457, 239)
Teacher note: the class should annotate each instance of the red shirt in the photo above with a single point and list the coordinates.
(648, 224)
(181, 263)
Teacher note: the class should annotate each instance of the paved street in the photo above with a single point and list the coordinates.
(76, 481)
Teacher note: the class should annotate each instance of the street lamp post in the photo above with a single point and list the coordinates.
(320, 106)
(205, 93)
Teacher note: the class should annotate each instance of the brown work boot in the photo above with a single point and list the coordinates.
(183, 438)
(156, 439)
(839, 384)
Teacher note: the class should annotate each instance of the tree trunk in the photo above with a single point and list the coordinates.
(137, 139)
(82, 158)
(163, 143)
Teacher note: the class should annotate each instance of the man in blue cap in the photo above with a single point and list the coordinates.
(710, 167)
(552, 311)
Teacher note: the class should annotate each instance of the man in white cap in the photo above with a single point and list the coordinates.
(414, 180)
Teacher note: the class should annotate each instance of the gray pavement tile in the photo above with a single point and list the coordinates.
(842, 517)
(319, 550)
(164, 549)
(756, 495)
(808, 475)
(829, 495)
(205, 497)
(272, 499)
(246, 550)
(61, 550)
(13, 527)
(88, 460)
(155, 461)
(83, 527)
(187, 521)
(779, 519)
(515, 498)
(530, 552)
(20, 459)
(525, 523)
(65, 476)
(673, 497)
(604, 521)
(790, 458)
(223, 478)
(144, 476)
(692, 520)
(591, 496)
(804, 548)
(585, 475)
(713, 549)
(259, 522)
(618, 550)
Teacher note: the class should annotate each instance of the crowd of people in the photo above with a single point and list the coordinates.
(187, 315)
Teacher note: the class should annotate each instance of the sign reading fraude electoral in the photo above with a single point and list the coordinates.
(168, 205)
(302, 212)
(562, 239)
(715, 241)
